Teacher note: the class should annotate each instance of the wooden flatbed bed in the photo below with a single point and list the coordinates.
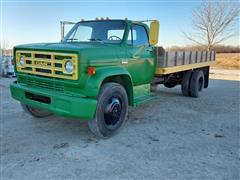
(177, 61)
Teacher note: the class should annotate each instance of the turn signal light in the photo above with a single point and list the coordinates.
(91, 70)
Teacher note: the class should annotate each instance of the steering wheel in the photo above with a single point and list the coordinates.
(114, 38)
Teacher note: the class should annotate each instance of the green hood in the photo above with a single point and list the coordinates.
(70, 47)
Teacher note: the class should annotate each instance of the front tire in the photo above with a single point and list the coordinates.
(38, 113)
(111, 112)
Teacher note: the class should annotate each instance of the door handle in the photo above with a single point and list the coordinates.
(149, 49)
(124, 61)
(135, 57)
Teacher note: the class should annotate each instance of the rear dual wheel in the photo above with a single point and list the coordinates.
(111, 112)
(192, 83)
(197, 83)
(185, 86)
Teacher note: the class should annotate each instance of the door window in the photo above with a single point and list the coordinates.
(137, 36)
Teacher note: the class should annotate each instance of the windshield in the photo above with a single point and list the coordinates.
(97, 31)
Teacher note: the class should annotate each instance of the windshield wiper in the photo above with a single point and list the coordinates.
(96, 39)
(71, 39)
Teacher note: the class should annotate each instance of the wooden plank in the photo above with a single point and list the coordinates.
(169, 70)
(180, 58)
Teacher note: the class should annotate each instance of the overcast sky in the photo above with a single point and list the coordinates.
(38, 21)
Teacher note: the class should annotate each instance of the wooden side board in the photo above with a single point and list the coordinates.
(175, 69)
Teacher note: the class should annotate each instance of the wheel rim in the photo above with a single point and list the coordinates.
(112, 113)
(200, 84)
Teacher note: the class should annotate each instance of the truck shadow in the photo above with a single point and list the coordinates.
(61, 128)
(78, 129)
(163, 91)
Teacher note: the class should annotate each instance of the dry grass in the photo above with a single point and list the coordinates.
(228, 60)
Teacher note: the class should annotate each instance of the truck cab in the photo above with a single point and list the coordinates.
(124, 42)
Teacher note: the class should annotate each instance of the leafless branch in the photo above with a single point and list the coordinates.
(213, 23)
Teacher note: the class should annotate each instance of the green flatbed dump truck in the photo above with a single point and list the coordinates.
(99, 69)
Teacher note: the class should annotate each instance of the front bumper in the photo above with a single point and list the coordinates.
(60, 103)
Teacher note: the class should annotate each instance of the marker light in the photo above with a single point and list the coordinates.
(91, 70)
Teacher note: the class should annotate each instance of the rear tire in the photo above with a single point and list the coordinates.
(185, 85)
(111, 112)
(38, 113)
(197, 83)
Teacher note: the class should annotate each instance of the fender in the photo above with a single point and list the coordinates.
(94, 82)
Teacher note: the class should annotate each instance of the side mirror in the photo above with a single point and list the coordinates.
(153, 33)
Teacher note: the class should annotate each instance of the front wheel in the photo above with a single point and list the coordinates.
(35, 111)
(111, 112)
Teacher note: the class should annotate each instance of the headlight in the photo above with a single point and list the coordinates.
(69, 67)
(21, 61)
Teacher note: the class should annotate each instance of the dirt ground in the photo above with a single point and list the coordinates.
(228, 60)
(225, 74)
(173, 137)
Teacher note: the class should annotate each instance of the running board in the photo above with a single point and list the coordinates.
(144, 99)
(142, 94)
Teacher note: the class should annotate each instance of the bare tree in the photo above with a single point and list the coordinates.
(213, 23)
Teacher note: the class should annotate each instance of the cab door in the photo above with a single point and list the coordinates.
(140, 55)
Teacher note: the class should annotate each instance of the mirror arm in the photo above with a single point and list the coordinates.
(62, 30)
(62, 26)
